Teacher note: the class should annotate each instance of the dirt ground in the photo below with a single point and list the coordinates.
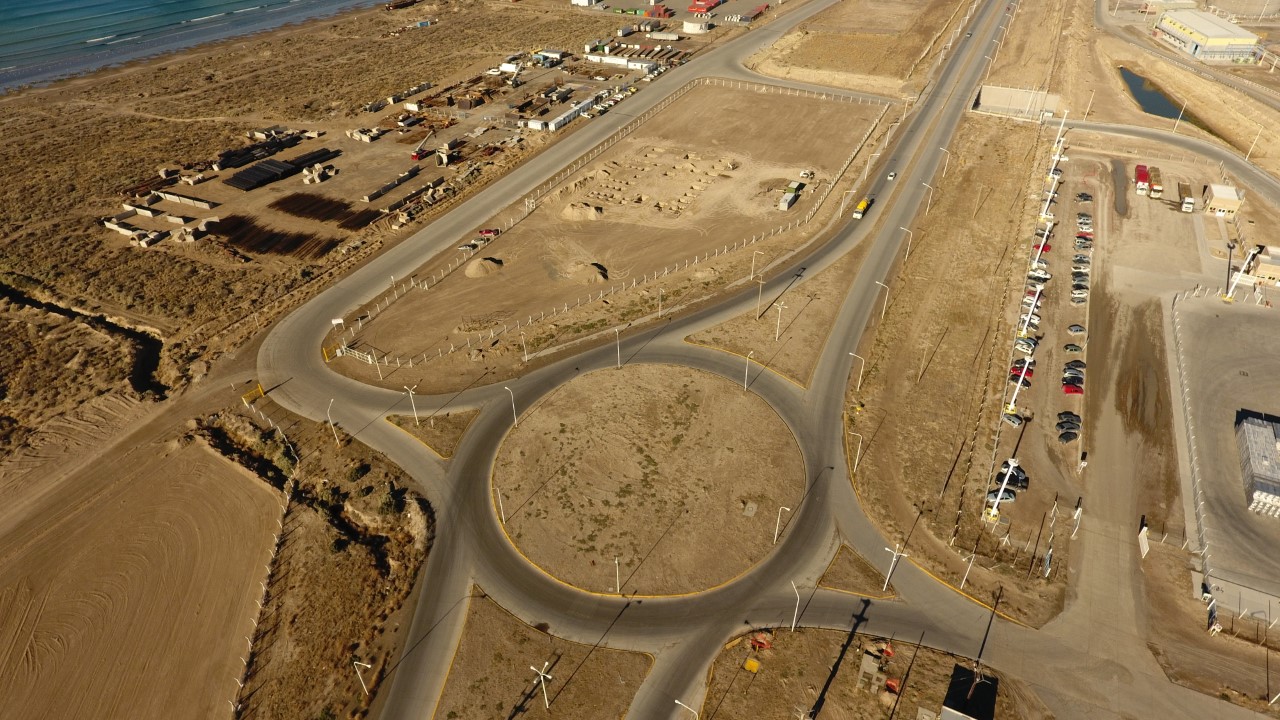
(807, 315)
(163, 573)
(490, 676)
(649, 475)
(439, 431)
(850, 572)
(800, 664)
(936, 371)
(871, 45)
(700, 175)
(353, 541)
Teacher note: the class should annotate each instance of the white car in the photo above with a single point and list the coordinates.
(893, 175)
(1079, 293)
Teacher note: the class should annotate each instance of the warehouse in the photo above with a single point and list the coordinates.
(1259, 463)
(1207, 37)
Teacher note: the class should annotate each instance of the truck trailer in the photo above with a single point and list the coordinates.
(1188, 200)
(1157, 184)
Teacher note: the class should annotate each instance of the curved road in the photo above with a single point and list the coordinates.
(684, 634)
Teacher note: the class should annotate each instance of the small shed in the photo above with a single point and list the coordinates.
(1222, 200)
(697, 27)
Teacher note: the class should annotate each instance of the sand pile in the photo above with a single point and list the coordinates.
(483, 267)
(588, 273)
(580, 211)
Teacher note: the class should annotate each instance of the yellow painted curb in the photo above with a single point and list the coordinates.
(415, 437)
(788, 378)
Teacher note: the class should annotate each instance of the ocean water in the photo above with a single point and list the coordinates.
(43, 40)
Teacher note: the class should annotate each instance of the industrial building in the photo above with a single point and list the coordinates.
(1207, 37)
(1266, 266)
(1260, 463)
(1222, 200)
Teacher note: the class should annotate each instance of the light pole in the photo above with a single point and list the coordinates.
(1089, 106)
(995, 504)
(1179, 120)
(759, 294)
(660, 292)
(858, 457)
(795, 617)
(989, 64)
(862, 365)
(929, 204)
(524, 348)
(1252, 144)
(338, 442)
(1231, 251)
(412, 404)
(964, 579)
(866, 168)
(686, 707)
(514, 416)
(897, 553)
(777, 330)
(357, 664)
(884, 308)
(617, 338)
(617, 575)
(753, 263)
(946, 162)
(747, 370)
(999, 46)
(543, 677)
(910, 235)
(777, 527)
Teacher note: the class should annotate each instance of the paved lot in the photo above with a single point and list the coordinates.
(1230, 361)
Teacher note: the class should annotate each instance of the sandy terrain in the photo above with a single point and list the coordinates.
(850, 572)
(647, 474)
(354, 540)
(872, 45)
(161, 574)
(936, 370)
(807, 314)
(490, 675)
(698, 176)
(801, 664)
(440, 431)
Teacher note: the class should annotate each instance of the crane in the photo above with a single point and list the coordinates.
(418, 154)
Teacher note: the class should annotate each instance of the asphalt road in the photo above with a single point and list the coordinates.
(685, 633)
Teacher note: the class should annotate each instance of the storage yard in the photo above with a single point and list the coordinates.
(700, 174)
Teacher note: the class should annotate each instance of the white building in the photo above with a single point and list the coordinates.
(1207, 37)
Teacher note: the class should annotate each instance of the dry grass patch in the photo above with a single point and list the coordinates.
(439, 432)
(850, 572)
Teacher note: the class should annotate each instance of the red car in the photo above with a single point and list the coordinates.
(1042, 248)
(489, 232)
(1072, 390)
(1084, 235)
(1017, 372)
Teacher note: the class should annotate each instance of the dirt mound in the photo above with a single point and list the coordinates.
(588, 273)
(482, 267)
(581, 211)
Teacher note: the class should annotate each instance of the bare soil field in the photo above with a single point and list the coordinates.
(643, 465)
(811, 669)
(1082, 66)
(872, 45)
(850, 572)
(352, 542)
(791, 343)
(936, 371)
(439, 431)
(490, 675)
(162, 574)
(698, 176)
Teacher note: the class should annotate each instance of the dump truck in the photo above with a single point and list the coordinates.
(1188, 200)
(1157, 185)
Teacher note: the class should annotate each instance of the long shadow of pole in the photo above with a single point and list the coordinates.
(859, 619)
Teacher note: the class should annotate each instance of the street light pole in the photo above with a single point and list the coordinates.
(759, 294)
(338, 442)
(858, 457)
(1252, 144)
(910, 235)
(1179, 120)
(777, 527)
(862, 365)
(897, 553)
(795, 617)
(617, 338)
(686, 707)
(777, 330)
(929, 204)
(747, 370)
(617, 575)
(524, 348)
(753, 263)
(357, 664)
(412, 404)
(514, 415)
(1089, 106)
(885, 307)
(946, 161)
(660, 293)
(543, 677)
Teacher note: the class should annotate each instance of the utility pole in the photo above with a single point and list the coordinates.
(617, 575)
(686, 707)
(928, 205)
(1089, 106)
(898, 552)
(945, 163)
(857, 458)
(514, 415)
(1179, 120)
(617, 338)
(753, 263)
(759, 294)
(910, 235)
(1252, 144)
(777, 331)
(524, 349)
(747, 370)
(660, 293)
(357, 664)
(884, 308)
(543, 677)
(862, 365)
(795, 617)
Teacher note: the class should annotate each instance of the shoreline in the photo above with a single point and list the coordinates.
(43, 77)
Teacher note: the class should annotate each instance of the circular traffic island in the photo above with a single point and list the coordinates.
(677, 473)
